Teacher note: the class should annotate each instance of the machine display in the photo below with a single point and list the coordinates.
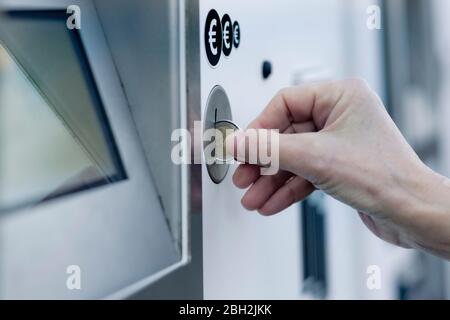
(55, 138)
(69, 134)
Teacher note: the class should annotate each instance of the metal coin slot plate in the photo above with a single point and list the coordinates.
(217, 109)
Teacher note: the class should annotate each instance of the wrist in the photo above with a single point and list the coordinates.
(422, 211)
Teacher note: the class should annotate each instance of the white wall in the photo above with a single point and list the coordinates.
(248, 256)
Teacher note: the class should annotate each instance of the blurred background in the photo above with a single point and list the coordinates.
(413, 77)
(407, 62)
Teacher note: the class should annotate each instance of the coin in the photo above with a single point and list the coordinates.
(224, 129)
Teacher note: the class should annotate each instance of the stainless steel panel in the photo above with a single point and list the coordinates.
(144, 40)
(118, 234)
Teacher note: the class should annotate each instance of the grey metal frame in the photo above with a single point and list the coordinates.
(187, 282)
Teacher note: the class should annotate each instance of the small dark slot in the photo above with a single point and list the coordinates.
(313, 244)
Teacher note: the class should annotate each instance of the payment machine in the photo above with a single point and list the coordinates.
(92, 204)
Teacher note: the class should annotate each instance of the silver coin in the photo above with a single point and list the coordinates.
(224, 129)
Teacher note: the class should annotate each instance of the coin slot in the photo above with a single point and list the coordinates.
(217, 111)
(223, 129)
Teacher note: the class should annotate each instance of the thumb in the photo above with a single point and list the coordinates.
(296, 153)
(301, 154)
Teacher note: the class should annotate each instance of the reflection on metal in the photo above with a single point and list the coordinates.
(187, 281)
(152, 80)
(56, 138)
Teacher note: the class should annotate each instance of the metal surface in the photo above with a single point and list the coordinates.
(224, 128)
(117, 234)
(193, 97)
(187, 282)
(143, 37)
(217, 109)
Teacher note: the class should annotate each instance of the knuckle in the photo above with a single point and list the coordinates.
(358, 83)
(281, 95)
(282, 92)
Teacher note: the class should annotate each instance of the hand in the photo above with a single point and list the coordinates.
(338, 137)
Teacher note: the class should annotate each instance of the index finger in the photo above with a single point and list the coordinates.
(298, 105)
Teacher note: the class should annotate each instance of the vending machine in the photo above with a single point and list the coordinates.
(92, 202)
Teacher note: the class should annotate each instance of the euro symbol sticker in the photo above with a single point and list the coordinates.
(227, 30)
(236, 34)
(213, 37)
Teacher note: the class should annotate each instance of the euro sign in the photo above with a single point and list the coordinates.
(212, 37)
(237, 35)
(226, 35)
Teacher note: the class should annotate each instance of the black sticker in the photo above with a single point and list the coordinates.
(236, 34)
(213, 37)
(227, 34)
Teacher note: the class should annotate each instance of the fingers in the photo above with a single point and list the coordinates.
(253, 146)
(303, 148)
(296, 153)
(263, 189)
(312, 102)
(272, 194)
(293, 191)
(303, 127)
(245, 175)
(302, 154)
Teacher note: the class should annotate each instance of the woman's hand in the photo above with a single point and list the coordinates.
(338, 137)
